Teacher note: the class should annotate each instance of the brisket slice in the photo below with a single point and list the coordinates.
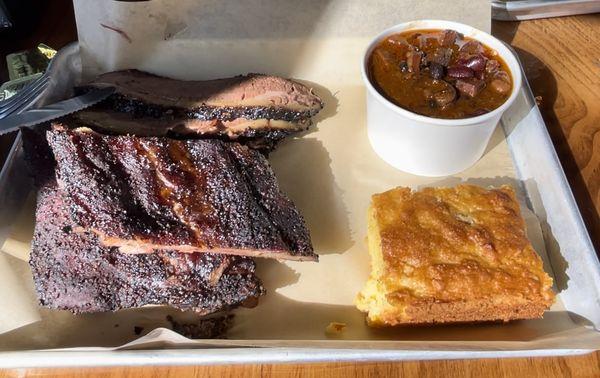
(147, 194)
(252, 96)
(73, 271)
(262, 133)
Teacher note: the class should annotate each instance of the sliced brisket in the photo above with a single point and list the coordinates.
(252, 96)
(260, 133)
(147, 194)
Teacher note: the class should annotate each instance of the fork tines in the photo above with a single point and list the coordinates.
(24, 97)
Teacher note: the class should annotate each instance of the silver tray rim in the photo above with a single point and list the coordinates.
(519, 10)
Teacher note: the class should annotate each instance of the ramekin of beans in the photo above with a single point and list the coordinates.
(435, 93)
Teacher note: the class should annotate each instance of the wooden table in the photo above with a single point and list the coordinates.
(562, 61)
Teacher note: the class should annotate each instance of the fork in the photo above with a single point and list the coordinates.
(25, 97)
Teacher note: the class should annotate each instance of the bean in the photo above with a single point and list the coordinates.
(460, 72)
(476, 63)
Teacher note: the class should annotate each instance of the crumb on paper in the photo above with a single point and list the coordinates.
(119, 31)
(335, 328)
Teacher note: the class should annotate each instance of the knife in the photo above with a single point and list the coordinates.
(59, 109)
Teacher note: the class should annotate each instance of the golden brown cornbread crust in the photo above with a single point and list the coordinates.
(451, 255)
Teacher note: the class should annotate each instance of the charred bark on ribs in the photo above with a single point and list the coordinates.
(146, 194)
(73, 271)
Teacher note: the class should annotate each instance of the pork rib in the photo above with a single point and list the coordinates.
(73, 271)
(147, 194)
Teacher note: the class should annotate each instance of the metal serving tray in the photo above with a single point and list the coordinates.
(547, 193)
(514, 10)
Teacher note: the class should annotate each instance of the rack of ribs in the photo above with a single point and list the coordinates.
(145, 194)
(73, 271)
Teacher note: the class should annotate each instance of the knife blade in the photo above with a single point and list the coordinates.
(59, 109)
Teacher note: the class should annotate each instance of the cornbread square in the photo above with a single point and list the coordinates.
(445, 255)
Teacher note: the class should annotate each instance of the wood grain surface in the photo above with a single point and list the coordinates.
(562, 61)
(578, 366)
(561, 57)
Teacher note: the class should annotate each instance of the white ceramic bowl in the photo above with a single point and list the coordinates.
(432, 146)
